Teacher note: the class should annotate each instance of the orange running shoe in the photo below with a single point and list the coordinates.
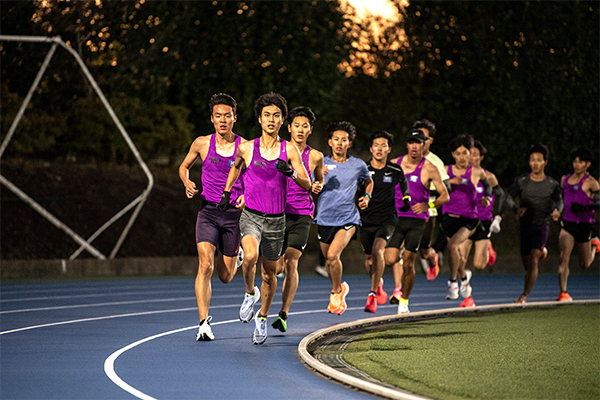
(596, 243)
(337, 301)
(564, 296)
(522, 299)
(395, 297)
(492, 254)
(433, 272)
(381, 294)
(371, 304)
(468, 302)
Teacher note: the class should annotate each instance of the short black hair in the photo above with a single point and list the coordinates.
(461, 140)
(382, 134)
(427, 124)
(583, 153)
(302, 111)
(480, 147)
(271, 99)
(222, 98)
(342, 126)
(539, 148)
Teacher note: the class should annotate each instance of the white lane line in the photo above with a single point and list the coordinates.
(109, 363)
(115, 303)
(97, 319)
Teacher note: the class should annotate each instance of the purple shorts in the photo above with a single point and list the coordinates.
(219, 228)
(533, 237)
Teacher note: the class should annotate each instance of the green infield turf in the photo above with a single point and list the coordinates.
(539, 353)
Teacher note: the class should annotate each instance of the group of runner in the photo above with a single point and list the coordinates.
(257, 204)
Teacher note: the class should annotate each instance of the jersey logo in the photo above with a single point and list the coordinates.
(479, 189)
(387, 179)
(413, 178)
(231, 162)
(575, 187)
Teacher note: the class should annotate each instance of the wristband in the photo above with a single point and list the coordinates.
(431, 204)
(368, 195)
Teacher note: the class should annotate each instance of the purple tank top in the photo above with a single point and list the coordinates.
(418, 192)
(265, 187)
(484, 213)
(299, 201)
(575, 194)
(215, 170)
(463, 197)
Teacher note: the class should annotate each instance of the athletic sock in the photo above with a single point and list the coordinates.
(372, 293)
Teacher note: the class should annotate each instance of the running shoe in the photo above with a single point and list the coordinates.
(395, 297)
(544, 254)
(564, 296)
(522, 299)
(452, 291)
(337, 301)
(321, 270)
(260, 330)
(204, 330)
(491, 254)
(403, 306)
(596, 244)
(280, 322)
(247, 308)
(371, 303)
(381, 294)
(465, 288)
(432, 272)
(240, 258)
(468, 302)
(424, 265)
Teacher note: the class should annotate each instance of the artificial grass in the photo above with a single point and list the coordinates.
(541, 353)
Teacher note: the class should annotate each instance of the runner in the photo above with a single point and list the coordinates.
(262, 222)
(540, 199)
(459, 218)
(215, 229)
(379, 219)
(337, 213)
(412, 218)
(488, 223)
(430, 259)
(299, 209)
(582, 197)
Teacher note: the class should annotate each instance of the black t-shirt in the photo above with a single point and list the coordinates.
(540, 198)
(382, 207)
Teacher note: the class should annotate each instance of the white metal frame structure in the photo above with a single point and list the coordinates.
(137, 202)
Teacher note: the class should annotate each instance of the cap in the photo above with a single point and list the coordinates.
(416, 135)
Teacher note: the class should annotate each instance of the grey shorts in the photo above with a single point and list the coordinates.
(268, 229)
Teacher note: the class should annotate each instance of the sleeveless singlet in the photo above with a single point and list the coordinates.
(575, 194)
(265, 187)
(215, 170)
(463, 197)
(299, 201)
(418, 192)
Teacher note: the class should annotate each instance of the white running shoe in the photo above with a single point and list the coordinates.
(465, 288)
(321, 270)
(240, 258)
(204, 331)
(403, 308)
(247, 308)
(452, 291)
(424, 265)
(260, 330)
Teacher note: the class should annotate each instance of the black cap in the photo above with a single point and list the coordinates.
(416, 135)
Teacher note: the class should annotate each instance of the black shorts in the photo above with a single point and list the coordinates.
(369, 233)
(451, 225)
(325, 234)
(408, 230)
(532, 236)
(427, 238)
(297, 228)
(581, 231)
(482, 232)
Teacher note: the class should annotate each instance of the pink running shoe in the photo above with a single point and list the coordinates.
(468, 302)
(492, 254)
(433, 272)
(395, 297)
(381, 294)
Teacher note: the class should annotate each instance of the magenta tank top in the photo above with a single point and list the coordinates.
(265, 187)
(575, 194)
(418, 192)
(215, 169)
(484, 213)
(463, 197)
(299, 201)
